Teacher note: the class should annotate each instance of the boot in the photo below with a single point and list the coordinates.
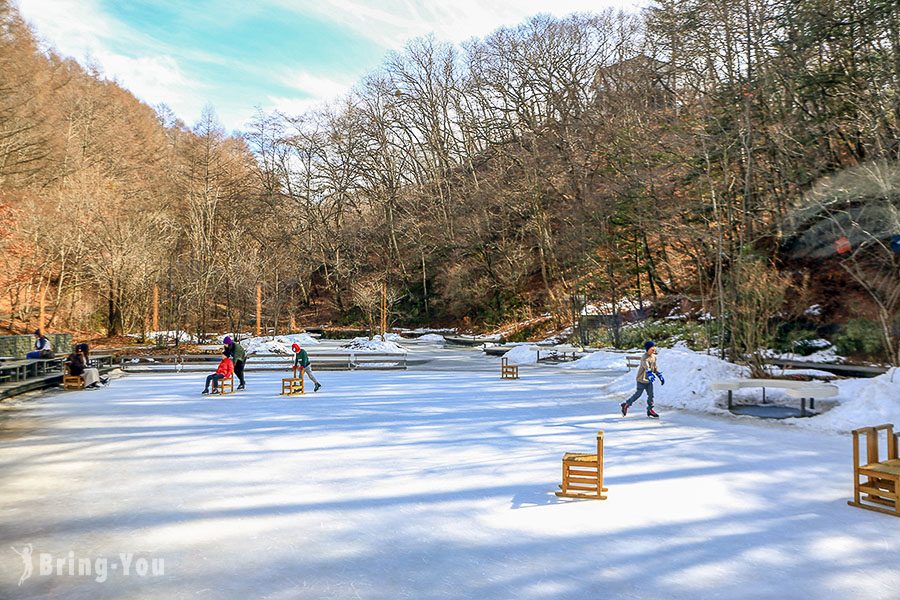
(316, 389)
(652, 413)
(624, 407)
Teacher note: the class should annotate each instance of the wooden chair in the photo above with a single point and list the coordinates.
(881, 489)
(508, 371)
(582, 474)
(71, 382)
(292, 386)
(226, 386)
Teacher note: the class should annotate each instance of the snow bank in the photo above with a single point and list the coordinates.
(863, 402)
(688, 377)
(183, 336)
(599, 360)
(522, 355)
(432, 337)
(392, 337)
(828, 355)
(280, 344)
(376, 344)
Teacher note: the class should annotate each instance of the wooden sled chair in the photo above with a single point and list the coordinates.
(582, 474)
(293, 386)
(226, 386)
(71, 382)
(508, 371)
(881, 489)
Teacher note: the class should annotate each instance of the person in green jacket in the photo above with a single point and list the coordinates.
(301, 361)
(237, 354)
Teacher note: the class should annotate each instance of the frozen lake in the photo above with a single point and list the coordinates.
(435, 482)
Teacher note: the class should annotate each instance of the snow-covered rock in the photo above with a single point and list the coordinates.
(432, 337)
(376, 344)
(522, 355)
(862, 403)
(599, 360)
(279, 344)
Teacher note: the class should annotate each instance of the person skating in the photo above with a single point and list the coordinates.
(647, 372)
(236, 352)
(224, 371)
(301, 361)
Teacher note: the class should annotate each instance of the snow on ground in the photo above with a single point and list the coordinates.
(522, 355)
(376, 344)
(828, 355)
(863, 402)
(432, 337)
(599, 360)
(688, 377)
(182, 336)
(814, 373)
(279, 344)
(429, 484)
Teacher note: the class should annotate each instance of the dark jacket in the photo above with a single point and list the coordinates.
(237, 352)
(75, 362)
(301, 359)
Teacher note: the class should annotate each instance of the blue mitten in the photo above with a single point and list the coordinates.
(661, 380)
(651, 377)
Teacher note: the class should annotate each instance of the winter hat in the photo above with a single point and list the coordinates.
(37, 332)
(227, 340)
(648, 345)
(295, 347)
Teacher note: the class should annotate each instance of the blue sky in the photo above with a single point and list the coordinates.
(288, 55)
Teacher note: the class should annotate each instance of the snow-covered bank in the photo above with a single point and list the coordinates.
(862, 403)
(522, 355)
(376, 344)
(279, 344)
(601, 360)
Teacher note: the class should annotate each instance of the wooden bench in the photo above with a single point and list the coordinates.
(508, 371)
(582, 474)
(881, 489)
(71, 382)
(794, 389)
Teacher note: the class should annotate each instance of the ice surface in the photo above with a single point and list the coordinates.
(434, 484)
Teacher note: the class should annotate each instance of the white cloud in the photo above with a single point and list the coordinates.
(315, 86)
(80, 29)
(391, 23)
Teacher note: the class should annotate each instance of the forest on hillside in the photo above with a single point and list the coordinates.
(735, 159)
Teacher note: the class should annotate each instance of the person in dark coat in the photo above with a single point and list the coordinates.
(236, 352)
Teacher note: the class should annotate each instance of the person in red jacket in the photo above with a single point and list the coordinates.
(225, 370)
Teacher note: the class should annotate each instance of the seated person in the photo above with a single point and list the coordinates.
(75, 363)
(225, 370)
(42, 346)
(91, 375)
